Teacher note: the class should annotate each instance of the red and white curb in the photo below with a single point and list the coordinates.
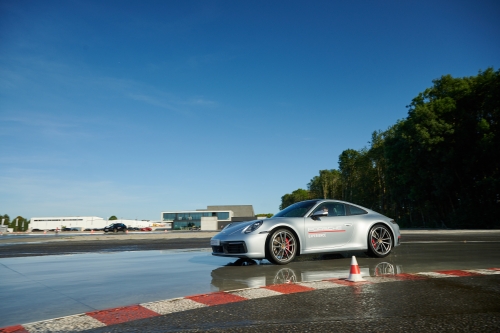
(102, 318)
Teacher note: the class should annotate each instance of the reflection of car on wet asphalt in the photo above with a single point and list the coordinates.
(307, 227)
(236, 276)
(115, 227)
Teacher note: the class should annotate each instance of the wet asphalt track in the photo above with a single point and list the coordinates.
(464, 304)
(72, 243)
(452, 304)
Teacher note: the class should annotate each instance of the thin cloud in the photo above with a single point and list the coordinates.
(44, 124)
(155, 101)
(24, 74)
(201, 102)
(34, 193)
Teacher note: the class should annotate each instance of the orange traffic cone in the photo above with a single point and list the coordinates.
(45, 232)
(355, 274)
(126, 231)
(91, 231)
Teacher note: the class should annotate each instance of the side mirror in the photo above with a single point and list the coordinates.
(318, 214)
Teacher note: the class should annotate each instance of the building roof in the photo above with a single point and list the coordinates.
(238, 210)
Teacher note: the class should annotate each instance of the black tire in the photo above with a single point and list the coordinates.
(379, 241)
(281, 247)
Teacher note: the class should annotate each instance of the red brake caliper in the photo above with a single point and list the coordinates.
(287, 244)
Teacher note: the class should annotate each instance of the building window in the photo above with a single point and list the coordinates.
(185, 225)
(168, 216)
(223, 216)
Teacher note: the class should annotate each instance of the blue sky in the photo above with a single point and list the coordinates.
(130, 108)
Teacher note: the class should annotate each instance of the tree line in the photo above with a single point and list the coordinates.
(18, 224)
(438, 167)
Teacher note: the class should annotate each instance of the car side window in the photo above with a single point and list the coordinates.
(338, 210)
(323, 207)
(353, 210)
(333, 209)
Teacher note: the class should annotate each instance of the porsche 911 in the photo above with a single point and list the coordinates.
(309, 227)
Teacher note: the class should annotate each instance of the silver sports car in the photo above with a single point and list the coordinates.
(312, 226)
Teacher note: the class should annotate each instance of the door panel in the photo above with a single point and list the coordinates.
(328, 231)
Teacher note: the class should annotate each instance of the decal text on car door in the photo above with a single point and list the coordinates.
(321, 231)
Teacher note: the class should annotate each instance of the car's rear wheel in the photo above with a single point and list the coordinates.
(379, 241)
(281, 247)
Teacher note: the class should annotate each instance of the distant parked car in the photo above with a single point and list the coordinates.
(133, 228)
(36, 230)
(146, 229)
(66, 229)
(88, 229)
(115, 227)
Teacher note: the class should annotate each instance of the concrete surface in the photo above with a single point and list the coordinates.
(52, 286)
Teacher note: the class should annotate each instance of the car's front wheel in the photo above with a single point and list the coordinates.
(281, 247)
(379, 241)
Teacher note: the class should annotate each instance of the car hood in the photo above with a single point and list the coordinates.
(237, 227)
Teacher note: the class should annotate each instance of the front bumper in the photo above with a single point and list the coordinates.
(230, 248)
(250, 246)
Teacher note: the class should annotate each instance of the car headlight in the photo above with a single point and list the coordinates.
(252, 227)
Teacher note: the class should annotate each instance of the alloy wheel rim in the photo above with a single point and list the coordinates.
(283, 246)
(381, 240)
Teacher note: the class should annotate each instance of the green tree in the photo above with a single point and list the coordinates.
(442, 160)
(112, 218)
(376, 155)
(437, 167)
(296, 196)
(326, 186)
(6, 220)
(17, 224)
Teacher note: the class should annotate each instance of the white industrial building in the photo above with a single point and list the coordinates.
(86, 222)
(211, 218)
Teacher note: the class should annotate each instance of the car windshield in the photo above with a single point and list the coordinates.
(298, 209)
